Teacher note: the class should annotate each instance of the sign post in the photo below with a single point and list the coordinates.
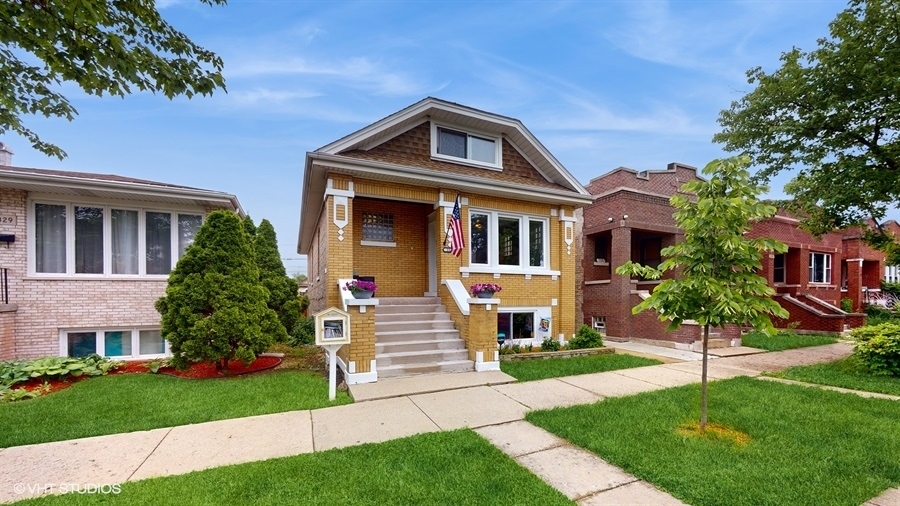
(332, 332)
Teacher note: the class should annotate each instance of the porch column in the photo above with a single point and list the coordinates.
(339, 222)
(618, 317)
(855, 282)
(358, 357)
(481, 338)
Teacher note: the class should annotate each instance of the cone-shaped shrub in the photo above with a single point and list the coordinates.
(214, 309)
(283, 296)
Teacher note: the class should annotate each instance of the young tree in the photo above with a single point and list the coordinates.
(718, 282)
(215, 308)
(833, 114)
(283, 296)
(103, 46)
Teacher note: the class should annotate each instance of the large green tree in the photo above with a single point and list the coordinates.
(103, 46)
(215, 307)
(718, 282)
(832, 114)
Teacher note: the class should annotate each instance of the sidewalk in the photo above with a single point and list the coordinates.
(496, 411)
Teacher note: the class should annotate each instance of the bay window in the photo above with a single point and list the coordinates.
(98, 240)
(506, 240)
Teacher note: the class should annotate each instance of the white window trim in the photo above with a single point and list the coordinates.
(536, 312)
(101, 342)
(492, 265)
(383, 244)
(107, 205)
(826, 271)
(498, 147)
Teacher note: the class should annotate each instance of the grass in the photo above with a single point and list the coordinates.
(456, 467)
(806, 446)
(129, 402)
(845, 373)
(785, 340)
(536, 369)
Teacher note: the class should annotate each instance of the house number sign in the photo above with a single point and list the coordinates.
(8, 220)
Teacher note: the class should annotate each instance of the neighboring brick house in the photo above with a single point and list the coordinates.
(631, 219)
(86, 256)
(892, 272)
(377, 204)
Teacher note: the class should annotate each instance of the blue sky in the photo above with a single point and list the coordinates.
(602, 84)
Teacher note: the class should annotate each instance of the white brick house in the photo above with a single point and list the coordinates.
(83, 258)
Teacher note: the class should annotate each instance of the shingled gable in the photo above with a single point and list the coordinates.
(397, 148)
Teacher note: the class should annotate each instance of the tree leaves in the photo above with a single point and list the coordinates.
(104, 46)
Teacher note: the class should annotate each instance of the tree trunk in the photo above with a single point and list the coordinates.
(703, 381)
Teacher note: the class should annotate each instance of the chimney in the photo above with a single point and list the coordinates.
(5, 155)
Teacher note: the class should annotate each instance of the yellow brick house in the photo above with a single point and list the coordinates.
(377, 204)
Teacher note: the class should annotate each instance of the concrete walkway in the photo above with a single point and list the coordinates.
(496, 411)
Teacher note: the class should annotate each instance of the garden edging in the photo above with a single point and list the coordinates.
(557, 354)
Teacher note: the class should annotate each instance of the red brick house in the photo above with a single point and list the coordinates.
(631, 219)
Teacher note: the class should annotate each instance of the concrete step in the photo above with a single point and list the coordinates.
(415, 335)
(420, 357)
(395, 371)
(413, 325)
(410, 317)
(405, 346)
(407, 301)
(409, 308)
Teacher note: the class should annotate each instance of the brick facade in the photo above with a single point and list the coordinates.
(631, 218)
(40, 308)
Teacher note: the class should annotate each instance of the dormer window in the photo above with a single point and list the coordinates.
(470, 148)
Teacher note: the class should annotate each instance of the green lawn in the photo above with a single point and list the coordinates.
(536, 369)
(807, 446)
(785, 340)
(846, 373)
(129, 402)
(456, 467)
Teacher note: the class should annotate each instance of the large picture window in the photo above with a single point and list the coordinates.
(507, 241)
(819, 268)
(100, 240)
(115, 343)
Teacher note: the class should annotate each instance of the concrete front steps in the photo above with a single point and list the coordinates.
(414, 335)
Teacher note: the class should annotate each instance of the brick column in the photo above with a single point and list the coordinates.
(481, 339)
(8, 331)
(618, 318)
(339, 209)
(359, 355)
(854, 282)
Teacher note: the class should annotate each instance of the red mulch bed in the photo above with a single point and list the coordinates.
(55, 384)
(235, 368)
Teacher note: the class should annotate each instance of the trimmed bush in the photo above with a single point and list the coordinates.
(283, 296)
(586, 337)
(214, 309)
(550, 344)
(878, 347)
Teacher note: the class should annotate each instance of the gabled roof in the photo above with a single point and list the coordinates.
(557, 185)
(86, 184)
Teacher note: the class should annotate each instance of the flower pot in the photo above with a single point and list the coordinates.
(485, 295)
(363, 294)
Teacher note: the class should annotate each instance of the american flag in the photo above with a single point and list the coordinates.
(457, 243)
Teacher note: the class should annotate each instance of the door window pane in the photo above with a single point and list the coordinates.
(82, 344)
(188, 225)
(479, 242)
(536, 243)
(124, 241)
(152, 343)
(159, 243)
(117, 343)
(50, 238)
(508, 235)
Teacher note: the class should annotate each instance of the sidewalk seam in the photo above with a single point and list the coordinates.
(130, 476)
